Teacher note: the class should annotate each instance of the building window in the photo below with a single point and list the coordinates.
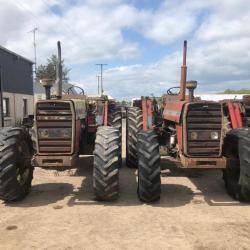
(25, 108)
(6, 107)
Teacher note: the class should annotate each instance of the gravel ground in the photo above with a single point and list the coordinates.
(193, 213)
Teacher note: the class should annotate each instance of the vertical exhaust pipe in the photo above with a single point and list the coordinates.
(183, 73)
(59, 72)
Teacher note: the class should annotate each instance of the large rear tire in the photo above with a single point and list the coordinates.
(16, 170)
(106, 164)
(115, 121)
(133, 127)
(115, 117)
(231, 178)
(237, 173)
(149, 170)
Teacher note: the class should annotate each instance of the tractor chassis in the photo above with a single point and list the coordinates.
(197, 163)
(58, 162)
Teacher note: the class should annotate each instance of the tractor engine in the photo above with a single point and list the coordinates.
(57, 132)
(199, 133)
(202, 123)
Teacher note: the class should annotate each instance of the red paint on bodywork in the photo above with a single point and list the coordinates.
(91, 119)
(77, 135)
(179, 136)
(106, 113)
(172, 108)
(146, 113)
(92, 129)
(234, 112)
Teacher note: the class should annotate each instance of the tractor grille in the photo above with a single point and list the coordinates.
(203, 120)
(247, 116)
(54, 118)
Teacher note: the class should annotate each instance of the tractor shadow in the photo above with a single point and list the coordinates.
(208, 184)
(44, 194)
(173, 195)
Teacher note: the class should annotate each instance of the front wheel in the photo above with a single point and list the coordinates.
(16, 170)
(115, 121)
(133, 127)
(149, 169)
(106, 164)
(237, 173)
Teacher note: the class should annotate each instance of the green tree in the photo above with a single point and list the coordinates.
(239, 91)
(123, 102)
(49, 70)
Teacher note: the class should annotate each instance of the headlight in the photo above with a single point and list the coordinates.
(55, 133)
(214, 135)
(194, 135)
(66, 132)
(43, 133)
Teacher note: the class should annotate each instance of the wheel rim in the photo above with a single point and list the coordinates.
(23, 165)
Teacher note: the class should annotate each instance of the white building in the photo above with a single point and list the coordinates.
(17, 86)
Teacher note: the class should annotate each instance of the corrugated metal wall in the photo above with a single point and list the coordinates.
(16, 73)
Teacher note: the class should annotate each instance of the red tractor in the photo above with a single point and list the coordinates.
(64, 127)
(194, 133)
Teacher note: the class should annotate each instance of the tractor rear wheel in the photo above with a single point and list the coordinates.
(106, 164)
(149, 170)
(115, 117)
(16, 170)
(237, 173)
(133, 127)
(115, 121)
(231, 178)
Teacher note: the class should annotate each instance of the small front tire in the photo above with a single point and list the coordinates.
(106, 164)
(149, 169)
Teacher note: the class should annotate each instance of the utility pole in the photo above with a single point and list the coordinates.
(34, 44)
(98, 80)
(101, 65)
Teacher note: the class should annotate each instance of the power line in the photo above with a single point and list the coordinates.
(101, 66)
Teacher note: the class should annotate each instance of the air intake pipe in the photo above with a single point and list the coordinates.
(59, 72)
(183, 73)
(47, 84)
(191, 86)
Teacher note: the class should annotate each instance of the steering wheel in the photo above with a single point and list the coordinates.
(170, 92)
(70, 89)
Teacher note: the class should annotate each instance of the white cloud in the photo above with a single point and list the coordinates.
(92, 31)
(168, 23)
(88, 31)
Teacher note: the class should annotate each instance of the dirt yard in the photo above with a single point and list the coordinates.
(193, 213)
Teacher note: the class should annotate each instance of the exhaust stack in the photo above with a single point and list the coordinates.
(183, 73)
(59, 72)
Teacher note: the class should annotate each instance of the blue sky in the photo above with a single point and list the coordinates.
(140, 40)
